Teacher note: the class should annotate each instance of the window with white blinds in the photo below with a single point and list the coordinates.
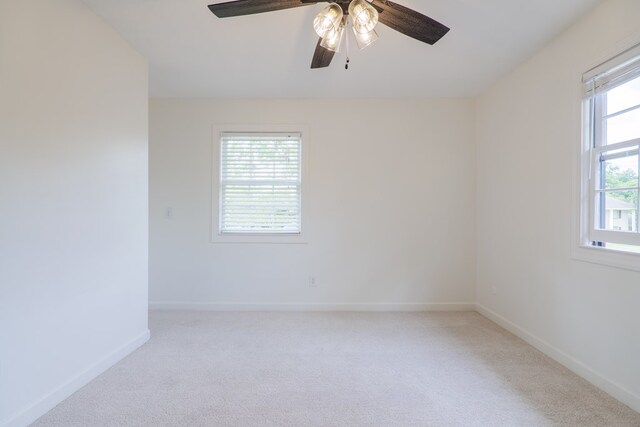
(611, 154)
(260, 183)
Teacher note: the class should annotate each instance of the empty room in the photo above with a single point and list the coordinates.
(306, 213)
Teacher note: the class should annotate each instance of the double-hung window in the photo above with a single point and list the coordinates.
(260, 183)
(611, 154)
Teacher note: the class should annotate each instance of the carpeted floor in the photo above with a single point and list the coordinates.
(336, 369)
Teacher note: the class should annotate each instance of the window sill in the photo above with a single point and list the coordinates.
(607, 257)
(267, 239)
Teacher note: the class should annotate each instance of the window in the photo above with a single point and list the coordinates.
(260, 183)
(611, 154)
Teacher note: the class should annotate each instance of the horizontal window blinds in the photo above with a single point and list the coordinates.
(613, 73)
(260, 183)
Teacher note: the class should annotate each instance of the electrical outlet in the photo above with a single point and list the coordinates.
(168, 213)
(312, 282)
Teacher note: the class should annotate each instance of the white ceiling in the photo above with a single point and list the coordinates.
(192, 53)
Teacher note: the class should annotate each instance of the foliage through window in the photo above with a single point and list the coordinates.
(612, 154)
(260, 183)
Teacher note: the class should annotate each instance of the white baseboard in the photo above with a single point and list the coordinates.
(47, 402)
(462, 306)
(594, 377)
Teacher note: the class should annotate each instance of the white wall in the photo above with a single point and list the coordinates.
(73, 202)
(528, 130)
(390, 220)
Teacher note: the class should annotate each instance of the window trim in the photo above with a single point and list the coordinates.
(581, 247)
(260, 238)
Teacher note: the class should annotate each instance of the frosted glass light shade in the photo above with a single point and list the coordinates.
(365, 39)
(327, 23)
(364, 17)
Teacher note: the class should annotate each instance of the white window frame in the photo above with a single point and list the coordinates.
(610, 72)
(260, 238)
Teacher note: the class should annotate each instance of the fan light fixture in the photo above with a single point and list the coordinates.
(331, 22)
(364, 17)
(334, 41)
(365, 39)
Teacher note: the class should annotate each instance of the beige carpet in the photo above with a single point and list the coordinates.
(336, 369)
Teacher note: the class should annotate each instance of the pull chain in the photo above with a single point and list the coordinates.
(346, 28)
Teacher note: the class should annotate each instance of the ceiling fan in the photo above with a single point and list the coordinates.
(330, 24)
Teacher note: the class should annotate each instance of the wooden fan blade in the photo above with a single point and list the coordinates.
(409, 22)
(249, 7)
(321, 57)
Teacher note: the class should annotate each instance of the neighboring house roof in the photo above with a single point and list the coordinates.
(613, 203)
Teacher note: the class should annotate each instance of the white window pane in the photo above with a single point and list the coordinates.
(624, 127)
(621, 172)
(617, 211)
(623, 97)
